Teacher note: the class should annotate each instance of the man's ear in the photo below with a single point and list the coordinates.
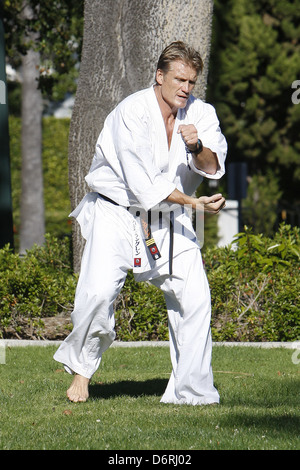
(159, 76)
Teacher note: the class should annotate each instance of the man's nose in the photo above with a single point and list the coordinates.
(185, 87)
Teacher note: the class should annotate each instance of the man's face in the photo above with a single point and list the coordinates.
(176, 84)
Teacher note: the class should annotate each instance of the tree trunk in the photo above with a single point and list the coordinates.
(121, 46)
(32, 201)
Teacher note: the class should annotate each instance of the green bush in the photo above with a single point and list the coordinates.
(254, 288)
(37, 285)
(55, 174)
(140, 312)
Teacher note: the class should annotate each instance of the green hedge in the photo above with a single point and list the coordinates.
(55, 174)
(254, 288)
(35, 286)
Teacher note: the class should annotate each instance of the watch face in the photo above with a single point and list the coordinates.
(198, 149)
(200, 146)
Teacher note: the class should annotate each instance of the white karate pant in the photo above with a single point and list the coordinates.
(106, 259)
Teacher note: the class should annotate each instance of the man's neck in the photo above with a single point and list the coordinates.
(169, 114)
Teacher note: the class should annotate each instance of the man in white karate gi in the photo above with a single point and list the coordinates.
(153, 152)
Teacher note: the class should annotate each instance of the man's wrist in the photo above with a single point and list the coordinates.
(197, 150)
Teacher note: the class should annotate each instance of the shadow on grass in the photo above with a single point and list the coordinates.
(128, 387)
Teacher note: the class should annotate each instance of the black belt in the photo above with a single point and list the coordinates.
(149, 240)
(108, 199)
(171, 243)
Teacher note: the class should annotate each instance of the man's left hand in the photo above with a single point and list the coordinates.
(212, 204)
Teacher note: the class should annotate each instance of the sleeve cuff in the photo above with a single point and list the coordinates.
(156, 194)
(220, 172)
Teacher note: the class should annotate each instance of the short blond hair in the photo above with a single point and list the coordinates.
(178, 50)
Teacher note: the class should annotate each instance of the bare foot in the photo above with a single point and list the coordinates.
(78, 391)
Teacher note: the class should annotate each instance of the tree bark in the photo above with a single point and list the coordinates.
(121, 46)
(32, 228)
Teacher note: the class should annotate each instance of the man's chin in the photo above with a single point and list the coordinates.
(182, 102)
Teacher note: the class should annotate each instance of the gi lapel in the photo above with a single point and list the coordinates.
(159, 135)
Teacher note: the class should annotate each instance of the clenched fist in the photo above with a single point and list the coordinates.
(189, 134)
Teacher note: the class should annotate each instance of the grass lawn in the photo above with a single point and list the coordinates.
(259, 408)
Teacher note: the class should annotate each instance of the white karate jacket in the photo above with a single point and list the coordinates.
(134, 167)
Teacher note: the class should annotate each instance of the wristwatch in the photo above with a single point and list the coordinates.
(198, 149)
